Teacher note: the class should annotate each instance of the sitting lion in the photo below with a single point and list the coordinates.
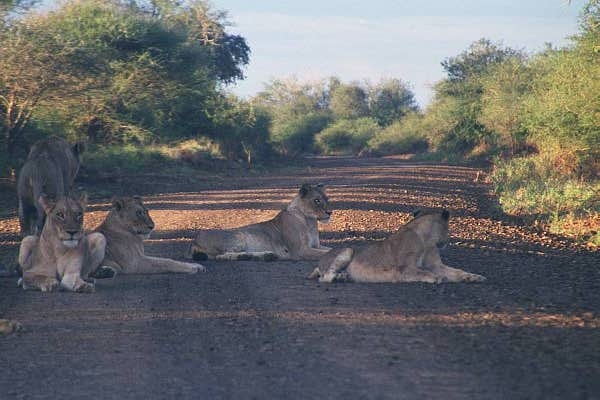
(125, 227)
(291, 235)
(409, 255)
(50, 168)
(63, 254)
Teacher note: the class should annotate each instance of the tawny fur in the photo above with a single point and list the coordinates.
(63, 255)
(292, 235)
(409, 255)
(50, 169)
(125, 227)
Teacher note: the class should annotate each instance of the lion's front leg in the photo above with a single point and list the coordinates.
(311, 253)
(157, 265)
(96, 249)
(454, 274)
(434, 264)
(69, 269)
(332, 272)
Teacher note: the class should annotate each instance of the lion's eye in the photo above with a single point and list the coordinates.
(317, 201)
(139, 213)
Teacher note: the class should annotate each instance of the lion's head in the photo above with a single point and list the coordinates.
(133, 216)
(432, 226)
(64, 218)
(313, 202)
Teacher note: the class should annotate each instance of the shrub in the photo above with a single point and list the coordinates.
(296, 136)
(402, 137)
(347, 136)
(531, 186)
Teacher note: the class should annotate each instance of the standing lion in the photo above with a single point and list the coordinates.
(50, 168)
(409, 255)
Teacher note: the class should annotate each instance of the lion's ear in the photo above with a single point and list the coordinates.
(446, 215)
(46, 202)
(304, 189)
(417, 213)
(118, 203)
(137, 199)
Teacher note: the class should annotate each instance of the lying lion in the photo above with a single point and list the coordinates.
(50, 168)
(63, 254)
(291, 235)
(409, 255)
(125, 227)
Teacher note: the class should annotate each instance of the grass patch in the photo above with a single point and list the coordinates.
(134, 159)
(529, 186)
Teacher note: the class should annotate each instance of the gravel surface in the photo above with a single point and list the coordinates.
(250, 330)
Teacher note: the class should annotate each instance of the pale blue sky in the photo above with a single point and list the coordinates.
(377, 39)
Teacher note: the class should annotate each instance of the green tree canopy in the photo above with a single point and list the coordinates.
(390, 100)
(118, 70)
(349, 101)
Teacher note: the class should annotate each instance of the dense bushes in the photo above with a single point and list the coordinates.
(401, 137)
(347, 136)
(296, 136)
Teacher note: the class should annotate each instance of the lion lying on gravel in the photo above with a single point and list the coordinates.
(291, 235)
(409, 255)
(50, 168)
(63, 254)
(125, 227)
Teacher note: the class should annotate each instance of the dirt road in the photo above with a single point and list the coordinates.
(251, 330)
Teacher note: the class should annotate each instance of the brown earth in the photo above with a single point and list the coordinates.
(249, 330)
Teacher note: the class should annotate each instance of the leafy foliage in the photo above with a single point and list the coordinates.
(117, 71)
(401, 137)
(390, 101)
(349, 101)
(347, 136)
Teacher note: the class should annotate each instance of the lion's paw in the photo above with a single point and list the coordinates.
(194, 268)
(475, 278)
(86, 287)
(47, 285)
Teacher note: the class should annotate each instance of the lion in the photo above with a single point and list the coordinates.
(125, 227)
(291, 235)
(63, 255)
(50, 168)
(8, 326)
(409, 255)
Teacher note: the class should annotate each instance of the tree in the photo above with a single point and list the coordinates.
(243, 130)
(298, 111)
(55, 69)
(349, 101)
(117, 70)
(474, 61)
(457, 101)
(390, 100)
(505, 88)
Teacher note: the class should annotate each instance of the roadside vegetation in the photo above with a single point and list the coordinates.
(148, 83)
